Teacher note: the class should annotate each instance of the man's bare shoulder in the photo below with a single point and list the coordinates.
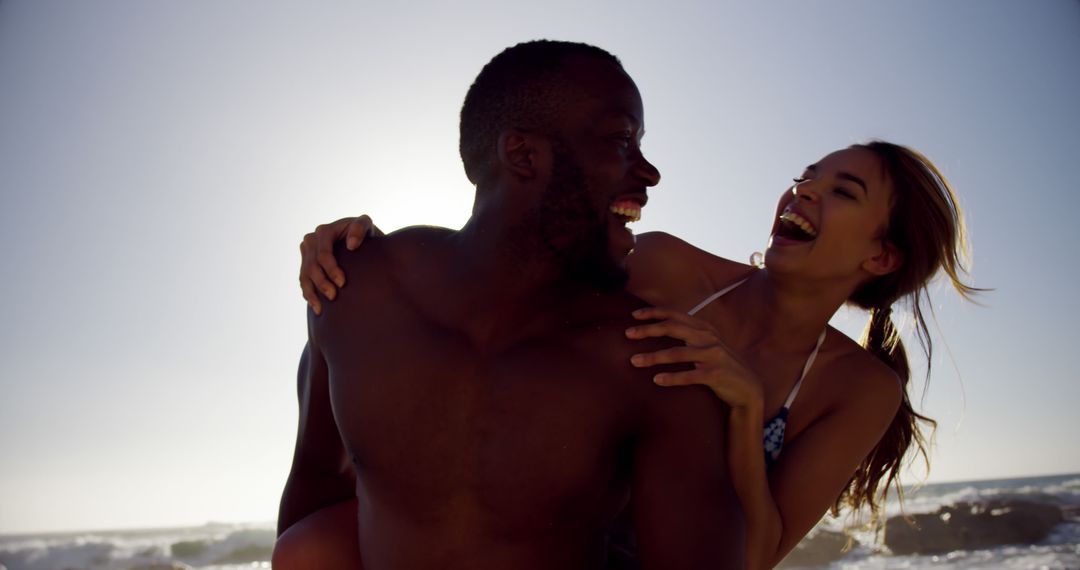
(416, 240)
(399, 247)
(610, 315)
(661, 405)
(376, 271)
(382, 259)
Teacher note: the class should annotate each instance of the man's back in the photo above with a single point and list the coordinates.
(512, 449)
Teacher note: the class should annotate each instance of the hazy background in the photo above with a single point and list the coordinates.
(160, 161)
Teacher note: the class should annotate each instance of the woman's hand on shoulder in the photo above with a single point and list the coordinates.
(715, 365)
(319, 270)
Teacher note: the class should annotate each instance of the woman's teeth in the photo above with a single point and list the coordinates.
(793, 218)
(628, 209)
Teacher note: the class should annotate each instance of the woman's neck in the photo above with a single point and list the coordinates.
(778, 311)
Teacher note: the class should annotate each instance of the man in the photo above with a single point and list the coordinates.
(473, 390)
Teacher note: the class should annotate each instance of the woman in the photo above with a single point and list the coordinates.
(868, 225)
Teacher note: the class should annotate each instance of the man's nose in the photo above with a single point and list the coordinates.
(646, 172)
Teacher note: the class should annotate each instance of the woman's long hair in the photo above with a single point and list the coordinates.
(927, 226)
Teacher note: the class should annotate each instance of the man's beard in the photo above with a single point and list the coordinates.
(573, 227)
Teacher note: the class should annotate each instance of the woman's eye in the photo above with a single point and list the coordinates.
(624, 139)
(845, 193)
(799, 180)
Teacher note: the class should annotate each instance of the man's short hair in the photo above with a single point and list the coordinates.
(523, 87)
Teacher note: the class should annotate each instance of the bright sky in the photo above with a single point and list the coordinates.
(160, 161)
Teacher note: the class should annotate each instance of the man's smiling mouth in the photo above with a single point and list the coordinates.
(626, 209)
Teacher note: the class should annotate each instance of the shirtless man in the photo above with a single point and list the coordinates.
(474, 391)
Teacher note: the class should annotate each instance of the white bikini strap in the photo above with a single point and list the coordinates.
(716, 296)
(805, 369)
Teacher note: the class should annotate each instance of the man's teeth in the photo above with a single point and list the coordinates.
(800, 221)
(627, 209)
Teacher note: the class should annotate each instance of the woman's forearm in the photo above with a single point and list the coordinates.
(764, 527)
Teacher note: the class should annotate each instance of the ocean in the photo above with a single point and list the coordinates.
(1029, 522)
(1011, 523)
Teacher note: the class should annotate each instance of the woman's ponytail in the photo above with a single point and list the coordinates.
(882, 339)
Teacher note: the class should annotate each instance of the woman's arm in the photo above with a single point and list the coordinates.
(669, 272)
(664, 270)
(783, 504)
(816, 466)
(749, 477)
(780, 506)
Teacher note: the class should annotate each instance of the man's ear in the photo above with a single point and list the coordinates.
(521, 153)
(889, 259)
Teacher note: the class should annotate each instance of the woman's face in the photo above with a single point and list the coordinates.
(831, 223)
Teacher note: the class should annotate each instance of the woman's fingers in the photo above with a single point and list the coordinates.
(310, 295)
(326, 269)
(733, 385)
(713, 356)
(319, 270)
(685, 378)
(661, 313)
(715, 365)
(313, 262)
(318, 266)
(307, 284)
(357, 231)
(674, 323)
(672, 355)
(325, 237)
(690, 333)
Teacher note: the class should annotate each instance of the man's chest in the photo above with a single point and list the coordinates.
(425, 412)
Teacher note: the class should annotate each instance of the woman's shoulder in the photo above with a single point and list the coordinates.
(860, 378)
(667, 270)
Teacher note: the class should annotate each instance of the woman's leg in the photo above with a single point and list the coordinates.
(327, 538)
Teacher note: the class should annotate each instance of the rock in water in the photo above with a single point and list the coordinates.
(969, 526)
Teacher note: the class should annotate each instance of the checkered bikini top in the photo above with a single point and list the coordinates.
(774, 428)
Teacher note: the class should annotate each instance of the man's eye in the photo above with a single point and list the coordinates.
(799, 180)
(845, 193)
